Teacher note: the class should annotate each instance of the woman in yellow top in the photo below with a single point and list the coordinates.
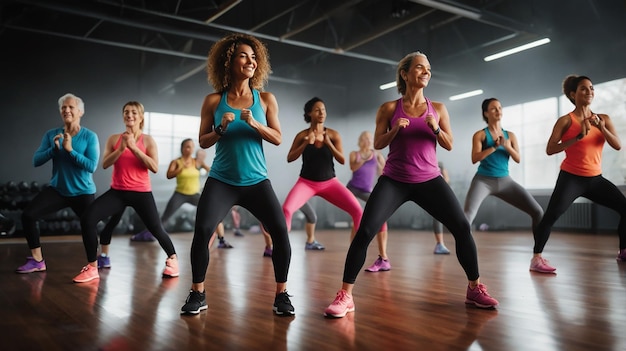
(186, 170)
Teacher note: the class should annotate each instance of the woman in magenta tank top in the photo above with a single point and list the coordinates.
(412, 127)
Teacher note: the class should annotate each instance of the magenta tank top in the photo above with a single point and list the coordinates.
(363, 178)
(129, 173)
(412, 153)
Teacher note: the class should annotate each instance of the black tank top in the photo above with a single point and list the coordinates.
(317, 163)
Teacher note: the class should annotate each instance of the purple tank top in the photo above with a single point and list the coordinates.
(363, 178)
(412, 153)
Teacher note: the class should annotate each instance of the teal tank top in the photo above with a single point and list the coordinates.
(497, 164)
(239, 158)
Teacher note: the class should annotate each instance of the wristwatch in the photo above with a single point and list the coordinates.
(219, 130)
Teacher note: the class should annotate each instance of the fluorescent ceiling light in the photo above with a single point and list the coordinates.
(466, 95)
(387, 85)
(449, 8)
(517, 49)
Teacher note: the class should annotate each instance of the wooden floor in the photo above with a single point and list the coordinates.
(418, 305)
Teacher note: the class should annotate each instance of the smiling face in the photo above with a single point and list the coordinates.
(584, 93)
(244, 62)
(133, 116)
(70, 112)
(418, 73)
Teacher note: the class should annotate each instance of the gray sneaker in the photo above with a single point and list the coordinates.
(314, 246)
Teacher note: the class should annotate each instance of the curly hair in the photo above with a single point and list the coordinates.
(218, 65)
(570, 84)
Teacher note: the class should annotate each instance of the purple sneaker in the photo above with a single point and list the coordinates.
(143, 236)
(268, 252)
(104, 262)
(621, 255)
(479, 297)
(31, 266)
(380, 265)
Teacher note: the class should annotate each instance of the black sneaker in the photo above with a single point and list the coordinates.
(196, 302)
(282, 305)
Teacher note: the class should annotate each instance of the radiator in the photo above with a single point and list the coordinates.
(578, 216)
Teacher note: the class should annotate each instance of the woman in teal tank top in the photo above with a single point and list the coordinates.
(236, 119)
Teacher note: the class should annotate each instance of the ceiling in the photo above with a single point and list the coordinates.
(334, 42)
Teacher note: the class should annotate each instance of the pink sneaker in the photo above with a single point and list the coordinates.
(621, 255)
(540, 264)
(341, 306)
(380, 265)
(171, 268)
(88, 273)
(479, 297)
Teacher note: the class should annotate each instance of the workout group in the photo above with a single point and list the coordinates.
(240, 116)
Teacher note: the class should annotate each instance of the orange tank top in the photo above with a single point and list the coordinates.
(583, 158)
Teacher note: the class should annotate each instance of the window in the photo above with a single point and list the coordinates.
(532, 123)
(169, 131)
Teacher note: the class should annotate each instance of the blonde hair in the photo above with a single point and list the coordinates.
(403, 66)
(139, 107)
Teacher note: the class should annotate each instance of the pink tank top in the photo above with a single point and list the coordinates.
(412, 153)
(129, 172)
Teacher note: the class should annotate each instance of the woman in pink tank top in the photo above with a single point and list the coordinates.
(132, 154)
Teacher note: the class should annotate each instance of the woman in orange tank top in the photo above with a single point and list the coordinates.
(582, 135)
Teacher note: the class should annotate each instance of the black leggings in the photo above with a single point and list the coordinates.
(569, 187)
(434, 196)
(49, 201)
(114, 202)
(216, 200)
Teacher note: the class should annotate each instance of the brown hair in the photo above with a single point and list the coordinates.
(221, 55)
(570, 84)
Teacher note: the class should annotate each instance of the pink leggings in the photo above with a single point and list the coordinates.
(331, 190)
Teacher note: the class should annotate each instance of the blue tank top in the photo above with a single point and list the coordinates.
(412, 154)
(497, 164)
(239, 158)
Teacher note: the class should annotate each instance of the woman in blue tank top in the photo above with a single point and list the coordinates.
(236, 119)
(492, 146)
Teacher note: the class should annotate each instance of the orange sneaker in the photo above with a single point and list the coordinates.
(171, 268)
(88, 273)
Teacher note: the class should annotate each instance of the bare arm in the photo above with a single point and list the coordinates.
(150, 158)
(511, 146)
(385, 132)
(332, 139)
(110, 153)
(174, 169)
(444, 137)
(207, 136)
(300, 141)
(555, 144)
(271, 133)
(608, 130)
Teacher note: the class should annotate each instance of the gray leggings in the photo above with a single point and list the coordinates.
(176, 201)
(504, 188)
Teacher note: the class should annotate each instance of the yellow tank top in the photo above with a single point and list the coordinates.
(188, 180)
